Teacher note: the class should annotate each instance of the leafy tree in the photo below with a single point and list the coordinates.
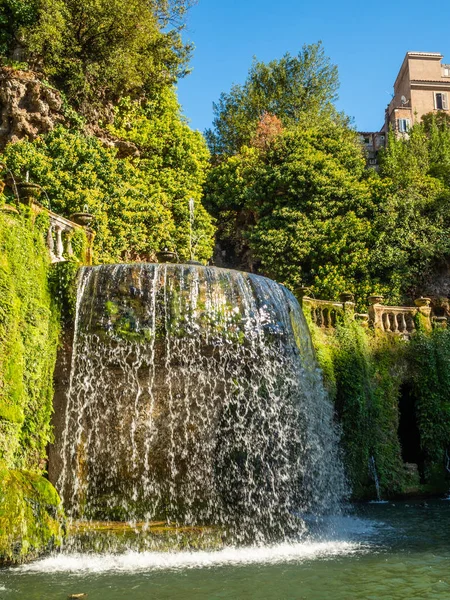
(98, 50)
(15, 16)
(414, 213)
(173, 159)
(301, 207)
(287, 88)
(140, 206)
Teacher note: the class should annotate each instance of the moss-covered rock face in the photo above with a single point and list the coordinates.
(29, 325)
(30, 516)
(30, 513)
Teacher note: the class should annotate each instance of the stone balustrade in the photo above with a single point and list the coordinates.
(400, 320)
(59, 236)
(397, 320)
(324, 313)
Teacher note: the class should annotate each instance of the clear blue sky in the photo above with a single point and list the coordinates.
(366, 39)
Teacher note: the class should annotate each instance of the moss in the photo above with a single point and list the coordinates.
(363, 375)
(13, 414)
(429, 358)
(31, 517)
(364, 372)
(30, 513)
(63, 288)
(158, 537)
(111, 308)
(29, 328)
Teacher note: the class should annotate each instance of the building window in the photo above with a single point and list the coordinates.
(440, 101)
(446, 72)
(403, 125)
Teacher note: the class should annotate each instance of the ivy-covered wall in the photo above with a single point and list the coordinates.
(392, 400)
(29, 329)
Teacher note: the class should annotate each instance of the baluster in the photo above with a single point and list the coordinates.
(320, 316)
(51, 244)
(69, 249)
(326, 318)
(59, 244)
(395, 323)
(404, 327)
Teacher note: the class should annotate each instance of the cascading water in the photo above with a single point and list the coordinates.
(195, 398)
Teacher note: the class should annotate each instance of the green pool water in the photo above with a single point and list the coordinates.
(389, 551)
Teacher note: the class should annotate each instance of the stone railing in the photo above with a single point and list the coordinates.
(398, 320)
(61, 230)
(324, 313)
(59, 236)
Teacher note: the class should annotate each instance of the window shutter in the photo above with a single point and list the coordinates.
(444, 102)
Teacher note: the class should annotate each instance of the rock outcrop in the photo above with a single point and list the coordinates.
(28, 107)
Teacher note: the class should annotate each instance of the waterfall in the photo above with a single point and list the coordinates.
(373, 471)
(194, 397)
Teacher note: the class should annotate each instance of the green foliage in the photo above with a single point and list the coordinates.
(298, 204)
(288, 88)
(414, 213)
(98, 50)
(63, 287)
(29, 330)
(300, 209)
(30, 516)
(429, 356)
(363, 374)
(173, 164)
(15, 15)
(141, 205)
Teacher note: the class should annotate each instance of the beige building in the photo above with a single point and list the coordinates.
(372, 143)
(422, 86)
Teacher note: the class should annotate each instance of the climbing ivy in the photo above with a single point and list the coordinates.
(429, 357)
(29, 327)
(363, 374)
(366, 373)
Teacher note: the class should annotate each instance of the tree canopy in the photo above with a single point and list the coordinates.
(297, 204)
(141, 205)
(287, 88)
(298, 212)
(97, 50)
